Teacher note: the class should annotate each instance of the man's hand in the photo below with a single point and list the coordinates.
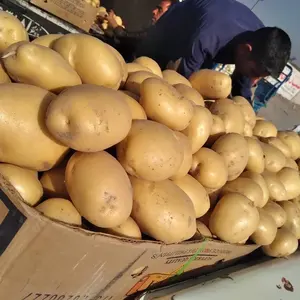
(111, 18)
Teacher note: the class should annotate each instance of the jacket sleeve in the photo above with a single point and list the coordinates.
(241, 86)
(121, 32)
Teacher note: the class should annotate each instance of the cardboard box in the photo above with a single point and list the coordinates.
(45, 260)
(76, 12)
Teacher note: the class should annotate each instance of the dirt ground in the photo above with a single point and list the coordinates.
(283, 113)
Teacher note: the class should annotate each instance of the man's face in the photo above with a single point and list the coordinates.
(159, 10)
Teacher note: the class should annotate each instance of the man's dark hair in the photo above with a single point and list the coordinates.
(271, 49)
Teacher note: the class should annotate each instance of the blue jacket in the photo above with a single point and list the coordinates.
(202, 33)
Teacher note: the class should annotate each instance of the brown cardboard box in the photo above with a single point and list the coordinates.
(76, 12)
(45, 260)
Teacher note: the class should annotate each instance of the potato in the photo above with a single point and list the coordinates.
(89, 118)
(134, 81)
(172, 77)
(53, 182)
(137, 111)
(247, 187)
(162, 103)
(23, 108)
(186, 147)
(292, 222)
(189, 93)
(24, 181)
(256, 161)
(60, 210)
(202, 231)
(277, 143)
(94, 62)
(285, 244)
(276, 212)
(247, 110)
(11, 31)
(290, 163)
(274, 158)
(135, 67)
(150, 64)
(196, 192)
(234, 218)
(292, 140)
(47, 40)
(217, 130)
(213, 195)
(4, 78)
(99, 188)
(163, 211)
(247, 130)
(231, 115)
(266, 230)
(234, 149)
(39, 66)
(150, 151)
(128, 229)
(257, 178)
(291, 180)
(264, 128)
(199, 128)
(211, 84)
(275, 186)
(209, 168)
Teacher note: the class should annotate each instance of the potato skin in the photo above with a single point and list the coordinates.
(256, 161)
(47, 40)
(189, 93)
(172, 77)
(99, 188)
(89, 118)
(150, 64)
(22, 123)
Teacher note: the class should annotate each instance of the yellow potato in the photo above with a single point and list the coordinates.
(266, 231)
(256, 177)
(234, 219)
(196, 192)
(264, 128)
(256, 161)
(217, 130)
(89, 118)
(211, 84)
(292, 140)
(234, 149)
(128, 229)
(276, 212)
(135, 67)
(53, 182)
(291, 180)
(163, 211)
(231, 115)
(209, 168)
(292, 222)
(248, 130)
(189, 93)
(11, 31)
(274, 158)
(247, 187)
(150, 64)
(163, 104)
(290, 163)
(277, 143)
(25, 140)
(202, 231)
(275, 186)
(60, 209)
(285, 244)
(40, 66)
(150, 151)
(247, 110)
(4, 78)
(137, 111)
(172, 77)
(99, 188)
(135, 80)
(94, 62)
(199, 128)
(24, 181)
(185, 166)
(47, 40)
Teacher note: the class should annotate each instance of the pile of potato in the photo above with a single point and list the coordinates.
(134, 151)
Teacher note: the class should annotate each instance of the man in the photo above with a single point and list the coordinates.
(201, 33)
(127, 41)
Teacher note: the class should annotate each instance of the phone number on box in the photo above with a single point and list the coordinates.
(38, 296)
